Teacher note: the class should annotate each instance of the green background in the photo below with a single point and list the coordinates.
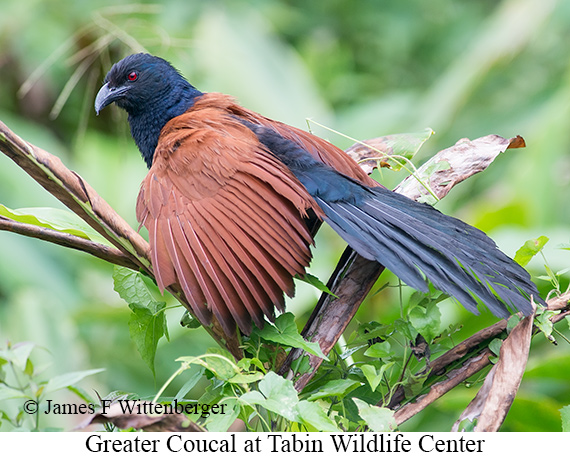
(365, 68)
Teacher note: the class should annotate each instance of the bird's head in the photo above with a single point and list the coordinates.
(151, 91)
(139, 81)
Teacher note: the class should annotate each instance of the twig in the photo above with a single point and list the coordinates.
(454, 378)
(439, 366)
(107, 253)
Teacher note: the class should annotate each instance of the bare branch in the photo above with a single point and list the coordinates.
(68, 240)
(453, 379)
(76, 194)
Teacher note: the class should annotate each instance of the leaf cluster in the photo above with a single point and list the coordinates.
(24, 388)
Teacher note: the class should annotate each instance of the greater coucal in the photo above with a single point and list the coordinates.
(230, 197)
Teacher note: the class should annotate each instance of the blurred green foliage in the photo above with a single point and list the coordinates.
(367, 68)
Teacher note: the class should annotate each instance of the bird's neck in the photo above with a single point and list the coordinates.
(146, 124)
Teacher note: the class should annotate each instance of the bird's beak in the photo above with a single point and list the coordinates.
(108, 95)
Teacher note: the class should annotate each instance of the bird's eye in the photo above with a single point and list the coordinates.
(132, 76)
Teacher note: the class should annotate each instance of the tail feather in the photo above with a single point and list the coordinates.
(411, 238)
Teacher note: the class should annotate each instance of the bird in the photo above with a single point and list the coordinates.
(232, 199)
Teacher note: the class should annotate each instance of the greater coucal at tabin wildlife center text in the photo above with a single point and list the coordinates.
(231, 196)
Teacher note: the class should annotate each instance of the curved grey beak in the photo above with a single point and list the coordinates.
(108, 95)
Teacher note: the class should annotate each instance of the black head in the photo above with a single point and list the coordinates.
(151, 91)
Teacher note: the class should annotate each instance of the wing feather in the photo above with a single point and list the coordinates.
(248, 251)
(225, 219)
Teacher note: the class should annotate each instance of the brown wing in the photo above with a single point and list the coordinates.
(225, 219)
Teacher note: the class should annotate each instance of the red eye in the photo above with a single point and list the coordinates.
(133, 75)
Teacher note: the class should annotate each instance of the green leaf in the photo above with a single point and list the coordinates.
(217, 361)
(146, 328)
(18, 354)
(426, 321)
(189, 321)
(370, 331)
(346, 354)
(275, 394)
(147, 323)
(374, 376)
(512, 322)
(414, 384)
(245, 364)
(56, 219)
(405, 328)
(543, 322)
(221, 422)
(285, 332)
(378, 419)
(82, 394)
(565, 414)
(405, 145)
(7, 393)
(371, 376)
(189, 384)
(68, 379)
(315, 282)
(222, 367)
(550, 273)
(213, 394)
(530, 249)
(29, 370)
(335, 388)
(379, 350)
(495, 346)
(132, 287)
(312, 414)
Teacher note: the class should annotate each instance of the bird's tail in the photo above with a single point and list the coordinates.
(411, 238)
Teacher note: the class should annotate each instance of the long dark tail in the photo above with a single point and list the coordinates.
(411, 238)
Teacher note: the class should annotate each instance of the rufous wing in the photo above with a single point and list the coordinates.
(225, 219)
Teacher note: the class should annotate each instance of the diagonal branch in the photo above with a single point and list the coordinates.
(107, 253)
(76, 194)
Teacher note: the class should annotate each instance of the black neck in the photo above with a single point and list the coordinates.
(147, 124)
